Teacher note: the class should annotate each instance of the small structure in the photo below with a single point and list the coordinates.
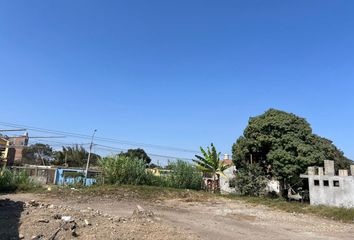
(40, 174)
(229, 174)
(225, 186)
(326, 188)
(68, 176)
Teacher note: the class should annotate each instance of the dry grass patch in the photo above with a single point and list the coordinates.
(334, 213)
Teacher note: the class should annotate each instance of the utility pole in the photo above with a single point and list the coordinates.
(89, 155)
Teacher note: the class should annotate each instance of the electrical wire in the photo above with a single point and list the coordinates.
(109, 148)
(103, 139)
(53, 143)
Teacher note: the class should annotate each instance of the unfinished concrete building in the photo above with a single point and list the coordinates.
(326, 188)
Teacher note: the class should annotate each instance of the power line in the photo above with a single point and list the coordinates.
(109, 148)
(106, 148)
(104, 139)
(13, 130)
(58, 142)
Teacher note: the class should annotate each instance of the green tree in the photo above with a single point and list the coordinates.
(38, 154)
(75, 156)
(136, 154)
(283, 145)
(210, 163)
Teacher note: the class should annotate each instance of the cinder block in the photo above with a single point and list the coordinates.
(320, 171)
(329, 167)
(311, 171)
(343, 172)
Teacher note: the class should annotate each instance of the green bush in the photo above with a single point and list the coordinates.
(183, 175)
(250, 181)
(6, 180)
(125, 170)
(11, 181)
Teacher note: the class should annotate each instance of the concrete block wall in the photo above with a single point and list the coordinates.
(337, 195)
(328, 189)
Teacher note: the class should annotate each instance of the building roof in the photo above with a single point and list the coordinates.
(227, 162)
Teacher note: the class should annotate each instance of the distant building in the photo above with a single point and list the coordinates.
(224, 179)
(326, 188)
(11, 148)
(18, 143)
(227, 161)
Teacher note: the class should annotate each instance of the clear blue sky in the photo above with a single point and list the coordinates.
(177, 73)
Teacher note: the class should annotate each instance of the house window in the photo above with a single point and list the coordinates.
(325, 183)
(316, 182)
(335, 183)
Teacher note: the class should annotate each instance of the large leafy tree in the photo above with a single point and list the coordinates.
(210, 163)
(137, 153)
(283, 145)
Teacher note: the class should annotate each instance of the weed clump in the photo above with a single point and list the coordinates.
(15, 181)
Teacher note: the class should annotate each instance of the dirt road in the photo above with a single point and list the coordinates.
(110, 217)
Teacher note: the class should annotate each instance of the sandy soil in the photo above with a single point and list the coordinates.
(38, 216)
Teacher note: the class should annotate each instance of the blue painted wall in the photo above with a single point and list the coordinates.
(60, 180)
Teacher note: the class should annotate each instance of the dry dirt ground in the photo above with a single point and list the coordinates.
(128, 216)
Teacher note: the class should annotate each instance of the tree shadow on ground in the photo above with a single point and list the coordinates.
(10, 214)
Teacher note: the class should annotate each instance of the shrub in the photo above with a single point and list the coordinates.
(250, 181)
(184, 175)
(6, 180)
(11, 181)
(125, 170)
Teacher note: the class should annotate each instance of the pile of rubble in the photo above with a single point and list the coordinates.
(52, 222)
(47, 216)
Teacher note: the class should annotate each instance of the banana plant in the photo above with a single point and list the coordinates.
(210, 163)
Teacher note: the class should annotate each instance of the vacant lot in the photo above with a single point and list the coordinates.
(113, 213)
